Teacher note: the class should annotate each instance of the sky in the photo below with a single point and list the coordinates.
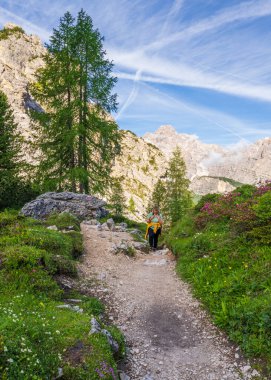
(202, 66)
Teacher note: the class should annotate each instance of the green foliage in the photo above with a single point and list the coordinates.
(178, 197)
(263, 207)
(78, 141)
(36, 336)
(63, 220)
(14, 190)
(159, 196)
(131, 205)
(117, 198)
(208, 198)
(7, 32)
(229, 268)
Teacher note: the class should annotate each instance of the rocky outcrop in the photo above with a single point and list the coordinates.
(138, 167)
(80, 205)
(20, 57)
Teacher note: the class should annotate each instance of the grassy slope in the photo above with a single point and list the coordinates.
(36, 337)
(225, 253)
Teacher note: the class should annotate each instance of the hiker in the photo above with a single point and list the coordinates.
(154, 226)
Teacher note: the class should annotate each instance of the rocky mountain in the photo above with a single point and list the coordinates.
(210, 168)
(20, 56)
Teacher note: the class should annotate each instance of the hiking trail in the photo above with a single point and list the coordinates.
(169, 335)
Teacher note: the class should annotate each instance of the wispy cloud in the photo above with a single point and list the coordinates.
(243, 11)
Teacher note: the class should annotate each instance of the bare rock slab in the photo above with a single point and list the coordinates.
(82, 206)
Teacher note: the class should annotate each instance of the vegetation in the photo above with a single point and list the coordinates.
(117, 198)
(37, 338)
(15, 189)
(7, 32)
(171, 194)
(77, 138)
(223, 249)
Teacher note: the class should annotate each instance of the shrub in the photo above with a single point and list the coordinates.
(63, 221)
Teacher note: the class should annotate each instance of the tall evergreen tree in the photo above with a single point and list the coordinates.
(178, 198)
(158, 198)
(117, 198)
(76, 137)
(10, 159)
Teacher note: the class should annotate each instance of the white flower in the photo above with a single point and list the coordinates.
(10, 360)
(5, 349)
(57, 331)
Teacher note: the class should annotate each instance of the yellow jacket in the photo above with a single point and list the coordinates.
(155, 228)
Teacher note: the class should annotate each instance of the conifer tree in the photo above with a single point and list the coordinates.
(131, 205)
(117, 198)
(77, 139)
(158, 198)
(178, 198)
(10, 160)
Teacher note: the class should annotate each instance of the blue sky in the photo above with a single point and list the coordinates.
(203, 66)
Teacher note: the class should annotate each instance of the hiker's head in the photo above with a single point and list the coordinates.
(155, 210)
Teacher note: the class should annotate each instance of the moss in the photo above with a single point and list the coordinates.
(7, 32)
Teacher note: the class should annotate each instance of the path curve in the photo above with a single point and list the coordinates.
(169, 335)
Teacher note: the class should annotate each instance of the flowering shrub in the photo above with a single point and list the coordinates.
(243, 207)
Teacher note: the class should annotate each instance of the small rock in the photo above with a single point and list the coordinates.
(53, 228)
(114, 345)
(95, 326)
(246, 368)
(123, 376)
(110, 224)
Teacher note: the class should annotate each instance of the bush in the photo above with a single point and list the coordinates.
(63, 221)
(224, 251)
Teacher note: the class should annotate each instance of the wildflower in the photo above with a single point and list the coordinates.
(10, 360)
(57, 331)
(5, 349)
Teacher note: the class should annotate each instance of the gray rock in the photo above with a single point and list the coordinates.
(123, 376)
(110, 224)
(77, 309)
(120, 229)
(148, 377)
(141, 246)
(80, 205)
(123, 225)
(95, 326)
(53, 228)
(157, 263)
(113, 344)
(104, 227)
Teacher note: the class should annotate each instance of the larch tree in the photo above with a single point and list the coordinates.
(117, 198)
(75, 134)
(178, 198)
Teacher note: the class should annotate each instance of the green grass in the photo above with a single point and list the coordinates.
(36, 337)
(230, 272)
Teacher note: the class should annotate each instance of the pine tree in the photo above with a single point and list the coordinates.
(178, 198)
(158, 198)
(117, 198)
(10, 160)
(77, 139)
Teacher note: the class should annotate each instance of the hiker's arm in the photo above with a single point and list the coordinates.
(150, 219)
(160, 220)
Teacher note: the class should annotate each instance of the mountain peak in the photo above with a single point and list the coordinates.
(166, 129)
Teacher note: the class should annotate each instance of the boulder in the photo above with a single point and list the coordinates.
(110, 224)
(82, 206)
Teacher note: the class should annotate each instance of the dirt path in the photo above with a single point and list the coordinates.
(169, 336)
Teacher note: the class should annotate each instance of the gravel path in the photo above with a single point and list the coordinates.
(169, 336)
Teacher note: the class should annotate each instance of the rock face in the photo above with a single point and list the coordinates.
(20, 56)
(212, 168)
(139, 167)
(81, 205)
